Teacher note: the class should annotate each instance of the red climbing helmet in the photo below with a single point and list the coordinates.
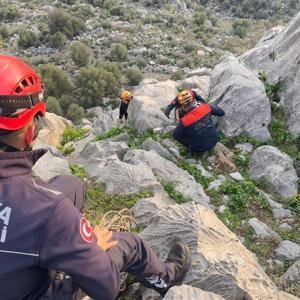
(21, 94)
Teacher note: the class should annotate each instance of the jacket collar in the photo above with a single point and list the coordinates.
(18, 163)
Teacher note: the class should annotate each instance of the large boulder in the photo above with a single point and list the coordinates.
(275, 168)
(51, 164)
(169, 172)
(292, 275)
(106, 120)
(220, 263)
(278, 58)
(288, 250)
(201, 83)
(162, 92)
(242, 95)
(185, 292)
(121, 178)
(150, 144)
(53, 129)
(145, 114)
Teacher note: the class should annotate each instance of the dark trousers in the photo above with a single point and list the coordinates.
(123, 110)
(131, 254)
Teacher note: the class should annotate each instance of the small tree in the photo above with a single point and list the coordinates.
(134, 76)
(240, 28)
(57, 40)
(8, 13)
(53, 106)
(3, 32)
(80, 54)
(118, 52)
(75, 113)
(27, 39)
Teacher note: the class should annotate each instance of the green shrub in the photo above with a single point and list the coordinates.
(80, 54)
(240, 28)
(53, 106)
(72, 134)
(27, 39)
(118, 52)
(3, 32)
(57, 40)
(8, 13)
(60, 21)
(178, 75)
(70, 2)
(112, 132)
(75, 113)
(134, 76)
(95, 82)
(55, 80)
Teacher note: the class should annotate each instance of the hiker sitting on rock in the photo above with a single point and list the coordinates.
(125, 97)
(196, 129)
(47, 248)
(175, 104)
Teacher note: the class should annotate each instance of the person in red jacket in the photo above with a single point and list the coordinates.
(48, 250)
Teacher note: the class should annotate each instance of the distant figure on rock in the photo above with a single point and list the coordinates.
(125, 97)
(175, 103)
(48, 250)
(196, 129)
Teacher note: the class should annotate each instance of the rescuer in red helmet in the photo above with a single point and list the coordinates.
(41, 227)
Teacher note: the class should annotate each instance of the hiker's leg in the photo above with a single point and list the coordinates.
(72, 187)
(134, 256)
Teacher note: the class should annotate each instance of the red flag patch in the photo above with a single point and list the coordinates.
(86, 231)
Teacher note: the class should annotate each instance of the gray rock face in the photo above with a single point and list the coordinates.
(105, 120)
(292, 275)
(262, 230)
(121, 178)
(184, 292)
(172, 147)
(278, 210)
(242, 94)
(145, 113)
(197, 82)
(276, 169)
(278, 58)
(237, 176)
(161, 93)
(145, 210)
(95, 154)
(169, 172)
(50, 165)
(244, 148)
(200, 72)
(220, 263)
(288, 251)
(286, 296)
(150, 144)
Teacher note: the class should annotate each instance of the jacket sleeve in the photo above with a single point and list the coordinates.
(216, 110)
(171, 106)
(65, 247)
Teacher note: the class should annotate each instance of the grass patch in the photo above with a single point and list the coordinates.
(78, 171)
(229, 142)
(72, 134)
(66, 150)
(111, 133)
(169, 188)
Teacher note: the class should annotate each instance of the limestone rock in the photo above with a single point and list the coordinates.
(292, 275)
(145, 210)
(244, 148)
(184, 292)
(53, 129)
(288, 250)
(145, 113)
(200, 72)
(220, 263)
(275, 168)
(214, 185)
(121, 178)
(150, 144)
(278, 58)
(286, 296)
(262, 230)
(237, 176)
(172, 147)
(122, 137)
(161, 93)
(278, 210)
(169, 172)
(201, 83)
(51, 164)
(106, 121)
(242, 96)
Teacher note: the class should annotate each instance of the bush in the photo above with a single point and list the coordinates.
(3, 32)
(57, 40)
(80, 54)
(53, 106)
(27, 39)
(95, 82)
(118, 52)
(55, 80)
(8, 13)
(75, 113)
(68, 1)
(178, 75)
(134, 76)
(60, 21)
(72, 134)
(240, 28)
